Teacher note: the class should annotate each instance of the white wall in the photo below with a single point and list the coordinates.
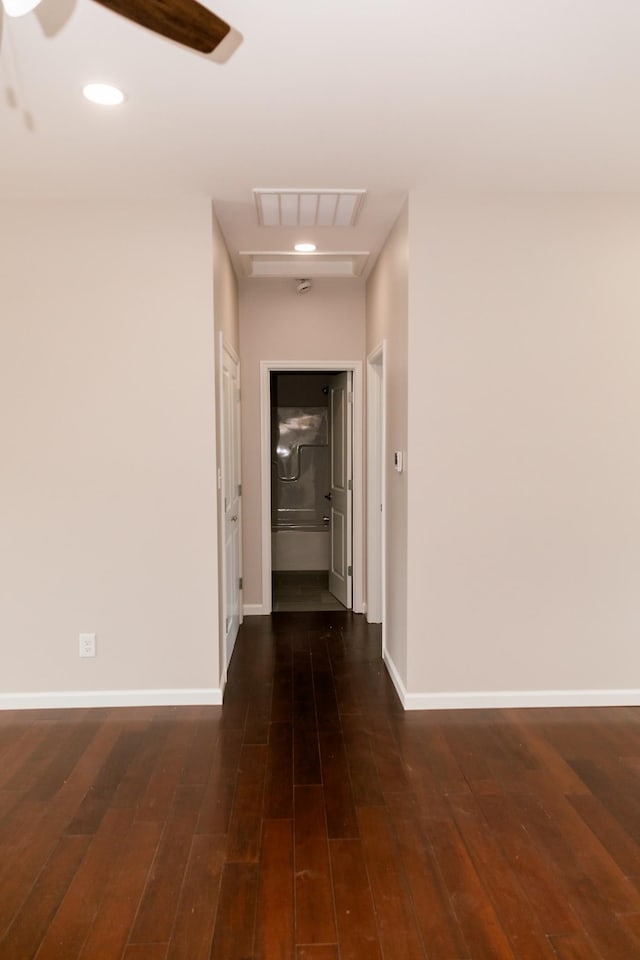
(107, 433)
(276, 323)
(386, 319)
(524, 470)
(225, 290)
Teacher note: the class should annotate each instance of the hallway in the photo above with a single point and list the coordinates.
(310, 819)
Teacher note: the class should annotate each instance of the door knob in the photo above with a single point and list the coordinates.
(234, 518)
(328, 496)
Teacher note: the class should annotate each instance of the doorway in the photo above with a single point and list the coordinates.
(311, 486)
(311, 468)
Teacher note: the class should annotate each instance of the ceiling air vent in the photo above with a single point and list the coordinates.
(308, 208)
(272, 263)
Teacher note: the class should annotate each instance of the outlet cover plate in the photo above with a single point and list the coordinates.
(87, 645)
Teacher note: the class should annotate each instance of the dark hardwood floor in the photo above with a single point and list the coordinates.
(310, 819)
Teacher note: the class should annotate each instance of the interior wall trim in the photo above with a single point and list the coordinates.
(254, 610)
(396, 679)
(497, 699)
(204, 696)
(302, 366)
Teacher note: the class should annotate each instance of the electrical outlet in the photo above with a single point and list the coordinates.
(87, 645)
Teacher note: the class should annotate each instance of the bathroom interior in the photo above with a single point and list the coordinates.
(300, 488)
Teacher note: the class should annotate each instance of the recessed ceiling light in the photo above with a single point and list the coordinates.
(304, 247)
(18, 8)
(103, 93)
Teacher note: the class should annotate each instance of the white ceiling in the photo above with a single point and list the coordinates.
(373, 94)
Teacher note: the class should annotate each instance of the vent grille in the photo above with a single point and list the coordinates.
(308, 208)
(265, 264)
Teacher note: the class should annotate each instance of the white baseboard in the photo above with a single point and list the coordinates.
(392, 670)
(260, 610)
(206, 696)
(255, 610)
(495, 699)
(477, 700)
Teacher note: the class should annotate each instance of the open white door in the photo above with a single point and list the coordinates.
(231, 494)
(341, 426)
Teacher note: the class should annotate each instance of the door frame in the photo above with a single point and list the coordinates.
(341, 485)
(225, 655)
(309, 366)
(376, 485)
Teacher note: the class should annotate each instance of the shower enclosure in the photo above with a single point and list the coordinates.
(299, 474)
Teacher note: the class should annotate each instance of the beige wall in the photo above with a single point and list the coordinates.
(520, 423)
(225, 290)
(276, 323)
(524, 405)
(386, 320)
(107, 505)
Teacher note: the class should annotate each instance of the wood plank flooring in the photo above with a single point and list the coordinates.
(311, 819)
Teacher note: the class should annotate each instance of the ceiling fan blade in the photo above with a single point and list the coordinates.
(184, 21)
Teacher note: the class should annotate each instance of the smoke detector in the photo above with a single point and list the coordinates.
(303, 286)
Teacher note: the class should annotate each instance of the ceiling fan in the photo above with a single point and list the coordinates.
(184, 21)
